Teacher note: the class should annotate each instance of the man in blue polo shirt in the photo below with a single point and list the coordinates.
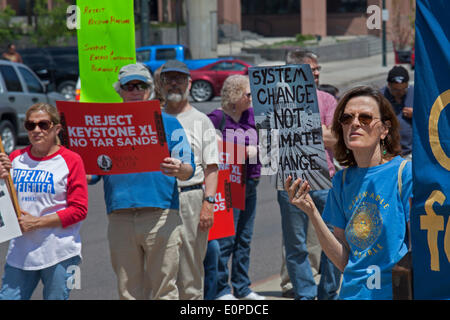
(401, 97)
(144, 224)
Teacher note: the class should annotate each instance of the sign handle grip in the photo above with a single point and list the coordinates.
(10, 185)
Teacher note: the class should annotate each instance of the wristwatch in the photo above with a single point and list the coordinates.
(209, 199)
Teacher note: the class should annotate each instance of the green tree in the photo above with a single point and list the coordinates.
(50, 26)
(8, 31)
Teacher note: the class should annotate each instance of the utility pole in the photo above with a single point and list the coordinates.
(178, 18)
(202, 28)
(383, 44)
(145, 14)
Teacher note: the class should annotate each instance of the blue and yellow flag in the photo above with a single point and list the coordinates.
(430, 222)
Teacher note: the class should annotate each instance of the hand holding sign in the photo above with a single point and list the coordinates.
(9, 205)
(298, 192)
(171, 167)
(5, 166)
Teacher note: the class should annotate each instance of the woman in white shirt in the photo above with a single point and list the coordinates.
(50, 182)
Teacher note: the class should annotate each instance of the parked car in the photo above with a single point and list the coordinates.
(57, 66)
(19, 89)
(207, 81)
(402, 56)
(155, 56)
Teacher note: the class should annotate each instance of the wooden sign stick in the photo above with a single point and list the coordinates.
(10, 185)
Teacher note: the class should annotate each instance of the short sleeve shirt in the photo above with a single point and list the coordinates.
(369, 207)
(202, 136)
(327, 106)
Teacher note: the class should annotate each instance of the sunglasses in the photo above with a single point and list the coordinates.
(135, 86)
(363, 118)
(43, 125)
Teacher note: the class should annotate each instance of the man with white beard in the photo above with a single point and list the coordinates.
(196, 205)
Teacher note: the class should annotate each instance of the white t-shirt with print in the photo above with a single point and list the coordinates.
(52, 185)
(201, 134)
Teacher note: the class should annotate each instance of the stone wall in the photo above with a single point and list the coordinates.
(351, 49)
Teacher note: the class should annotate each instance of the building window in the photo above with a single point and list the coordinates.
(272, 7)
(346, 6)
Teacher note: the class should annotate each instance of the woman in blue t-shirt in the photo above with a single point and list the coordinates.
(369, 202)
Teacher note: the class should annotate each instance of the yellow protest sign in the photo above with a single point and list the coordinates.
(106, 42)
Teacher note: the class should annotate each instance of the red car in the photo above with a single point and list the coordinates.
(208, 81)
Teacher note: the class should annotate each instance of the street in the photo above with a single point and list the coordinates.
(100, 63)
(97, 277)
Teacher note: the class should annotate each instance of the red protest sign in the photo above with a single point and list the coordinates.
(115, 138)
(231, 157)
(223, 212)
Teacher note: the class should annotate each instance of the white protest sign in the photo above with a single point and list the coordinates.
(285, 102)
(9, 226)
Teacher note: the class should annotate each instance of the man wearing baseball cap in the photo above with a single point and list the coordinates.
(143, 220)
(196, 205)
(135, 83)
(401, 96)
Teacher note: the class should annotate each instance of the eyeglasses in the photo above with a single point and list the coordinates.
(43, 125)
(318, 68)
(363, 118)
(134, 86)
(178, 80)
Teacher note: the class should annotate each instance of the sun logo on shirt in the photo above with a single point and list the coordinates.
(364, 226)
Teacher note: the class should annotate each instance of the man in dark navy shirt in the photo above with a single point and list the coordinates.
(401, 97)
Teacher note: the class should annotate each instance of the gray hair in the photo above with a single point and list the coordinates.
(298, 56)
(232, 90)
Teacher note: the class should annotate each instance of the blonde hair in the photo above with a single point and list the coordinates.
(50, 110)
(232, 90)
(47, 108)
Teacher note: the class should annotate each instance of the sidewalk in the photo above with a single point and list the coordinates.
(270, 287)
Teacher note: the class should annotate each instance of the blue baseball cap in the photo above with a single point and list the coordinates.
(398, 74)
(136, 71)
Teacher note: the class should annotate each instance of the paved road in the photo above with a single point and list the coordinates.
(97, 277)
